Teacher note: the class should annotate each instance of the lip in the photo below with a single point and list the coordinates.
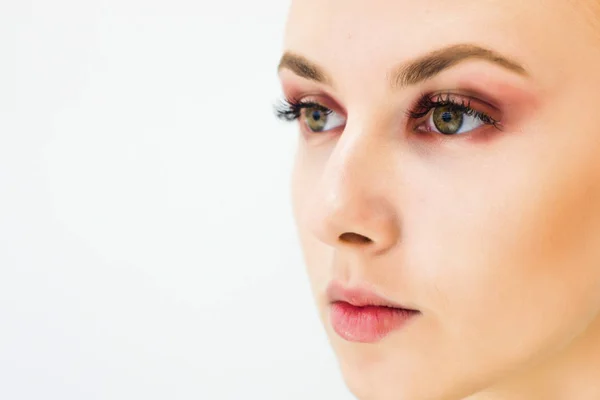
(361, 315)
(359, 296)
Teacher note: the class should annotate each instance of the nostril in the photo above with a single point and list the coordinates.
(352, 237)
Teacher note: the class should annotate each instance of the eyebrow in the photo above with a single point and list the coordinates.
(411, 72)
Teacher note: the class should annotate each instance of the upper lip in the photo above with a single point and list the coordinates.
(359, 296)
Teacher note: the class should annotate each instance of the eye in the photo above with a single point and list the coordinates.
(449, 121)
(315, 116)
(321, 119)
(449, 116)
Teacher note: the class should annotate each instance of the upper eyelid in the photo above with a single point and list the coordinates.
(467, 98)
(471, 98)
(321, 97)
(309, 104)
(460, 99)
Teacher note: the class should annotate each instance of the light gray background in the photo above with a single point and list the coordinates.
(147, 247)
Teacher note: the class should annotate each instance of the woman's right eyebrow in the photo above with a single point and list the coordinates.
(304, 68)
(411, 72)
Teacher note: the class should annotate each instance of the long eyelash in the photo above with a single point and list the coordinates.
(290, 109)
(426, 103)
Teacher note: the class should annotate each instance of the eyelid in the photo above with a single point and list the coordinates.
(474, 98)
(303, 91)
(468, 97)
(323, 101)
(459, 97)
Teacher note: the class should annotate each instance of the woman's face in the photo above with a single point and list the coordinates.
(483, 215)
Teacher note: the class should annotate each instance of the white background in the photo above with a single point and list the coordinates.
(147, 246)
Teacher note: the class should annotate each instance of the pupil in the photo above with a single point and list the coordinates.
(316, 115)
(447, 116)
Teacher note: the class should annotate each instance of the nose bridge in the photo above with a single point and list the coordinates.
(354, 202)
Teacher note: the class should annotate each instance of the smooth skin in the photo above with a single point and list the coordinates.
(494, 235)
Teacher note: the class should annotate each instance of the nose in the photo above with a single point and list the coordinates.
(354, 204)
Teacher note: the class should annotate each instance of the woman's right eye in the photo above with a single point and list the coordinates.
(316, 117)
(321, 119)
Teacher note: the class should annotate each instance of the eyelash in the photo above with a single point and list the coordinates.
(426, 103)
(291, 109)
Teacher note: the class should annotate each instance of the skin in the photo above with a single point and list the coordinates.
(493, 235)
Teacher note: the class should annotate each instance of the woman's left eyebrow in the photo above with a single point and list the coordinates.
(431, 64)
(411, 72)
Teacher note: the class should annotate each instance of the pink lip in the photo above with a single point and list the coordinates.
(360, 315)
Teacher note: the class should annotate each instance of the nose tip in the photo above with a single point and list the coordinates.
(356, 225)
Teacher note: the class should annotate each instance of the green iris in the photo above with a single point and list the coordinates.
(316, 119)
(447, 120)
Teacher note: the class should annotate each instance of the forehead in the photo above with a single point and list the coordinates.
(333, 15)
(359, 36)
(351, 20)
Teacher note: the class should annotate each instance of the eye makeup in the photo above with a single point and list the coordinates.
(471, 95)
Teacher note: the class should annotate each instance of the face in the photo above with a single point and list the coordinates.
(448, 161)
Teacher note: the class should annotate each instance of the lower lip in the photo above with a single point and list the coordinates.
(367, 324)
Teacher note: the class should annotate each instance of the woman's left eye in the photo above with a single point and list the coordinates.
(451, 121)
(451, 114)
(320, 119)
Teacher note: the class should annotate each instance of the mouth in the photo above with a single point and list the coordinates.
(360, 315)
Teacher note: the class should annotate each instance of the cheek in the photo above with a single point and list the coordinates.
(512, 252)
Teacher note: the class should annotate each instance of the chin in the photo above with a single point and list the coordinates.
(372, 379)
